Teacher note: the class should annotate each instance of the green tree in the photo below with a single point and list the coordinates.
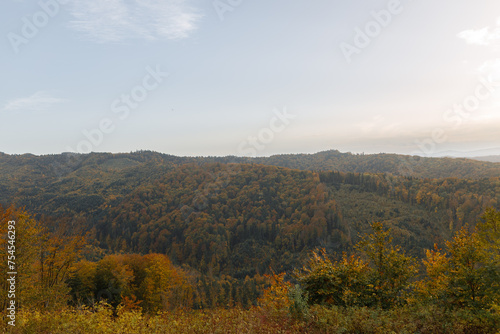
(464, 277)
(489, 231)
(342, 283)
(391, 270)
(472, 276)
(382, 280)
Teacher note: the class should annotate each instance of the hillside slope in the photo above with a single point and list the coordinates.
(238, 219)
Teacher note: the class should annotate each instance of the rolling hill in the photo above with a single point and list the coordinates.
(239, 216)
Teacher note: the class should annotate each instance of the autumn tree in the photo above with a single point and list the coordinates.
(150, 282)
(82, 282)
(391, 270)
(164, 286)
(25, 252)
(59, 249)
(112, 279)
(465, 276)
(342, 283)
(489, 232)
(275, 298)
(379, 276)
(43, 257)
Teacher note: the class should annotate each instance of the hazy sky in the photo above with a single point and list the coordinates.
(249, 77)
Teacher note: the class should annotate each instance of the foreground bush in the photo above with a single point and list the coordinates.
(379, 276)
(422, 320)
(102, 321)
(320, 319)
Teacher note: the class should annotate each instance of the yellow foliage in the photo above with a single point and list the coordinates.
(275, 298)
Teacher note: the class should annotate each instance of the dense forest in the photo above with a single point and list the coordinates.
(158, 232)
(376, 289)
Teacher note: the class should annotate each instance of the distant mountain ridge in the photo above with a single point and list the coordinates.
(490, 158)
(469, 154)
(331, 160)
(405, 165)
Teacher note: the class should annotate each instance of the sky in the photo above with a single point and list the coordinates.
(250, 78)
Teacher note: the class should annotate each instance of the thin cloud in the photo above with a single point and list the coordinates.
(37, 102)
(106, 21)
(380, 127)
(486, 36)
(491, 70)
(489, 66)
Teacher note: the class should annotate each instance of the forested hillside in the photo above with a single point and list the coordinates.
(376, 288)
(152, 232)
(239, 219)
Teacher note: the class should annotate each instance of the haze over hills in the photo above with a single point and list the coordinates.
(490, 158)
(491, 154)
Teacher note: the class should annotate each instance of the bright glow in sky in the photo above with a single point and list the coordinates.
(241, 77)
